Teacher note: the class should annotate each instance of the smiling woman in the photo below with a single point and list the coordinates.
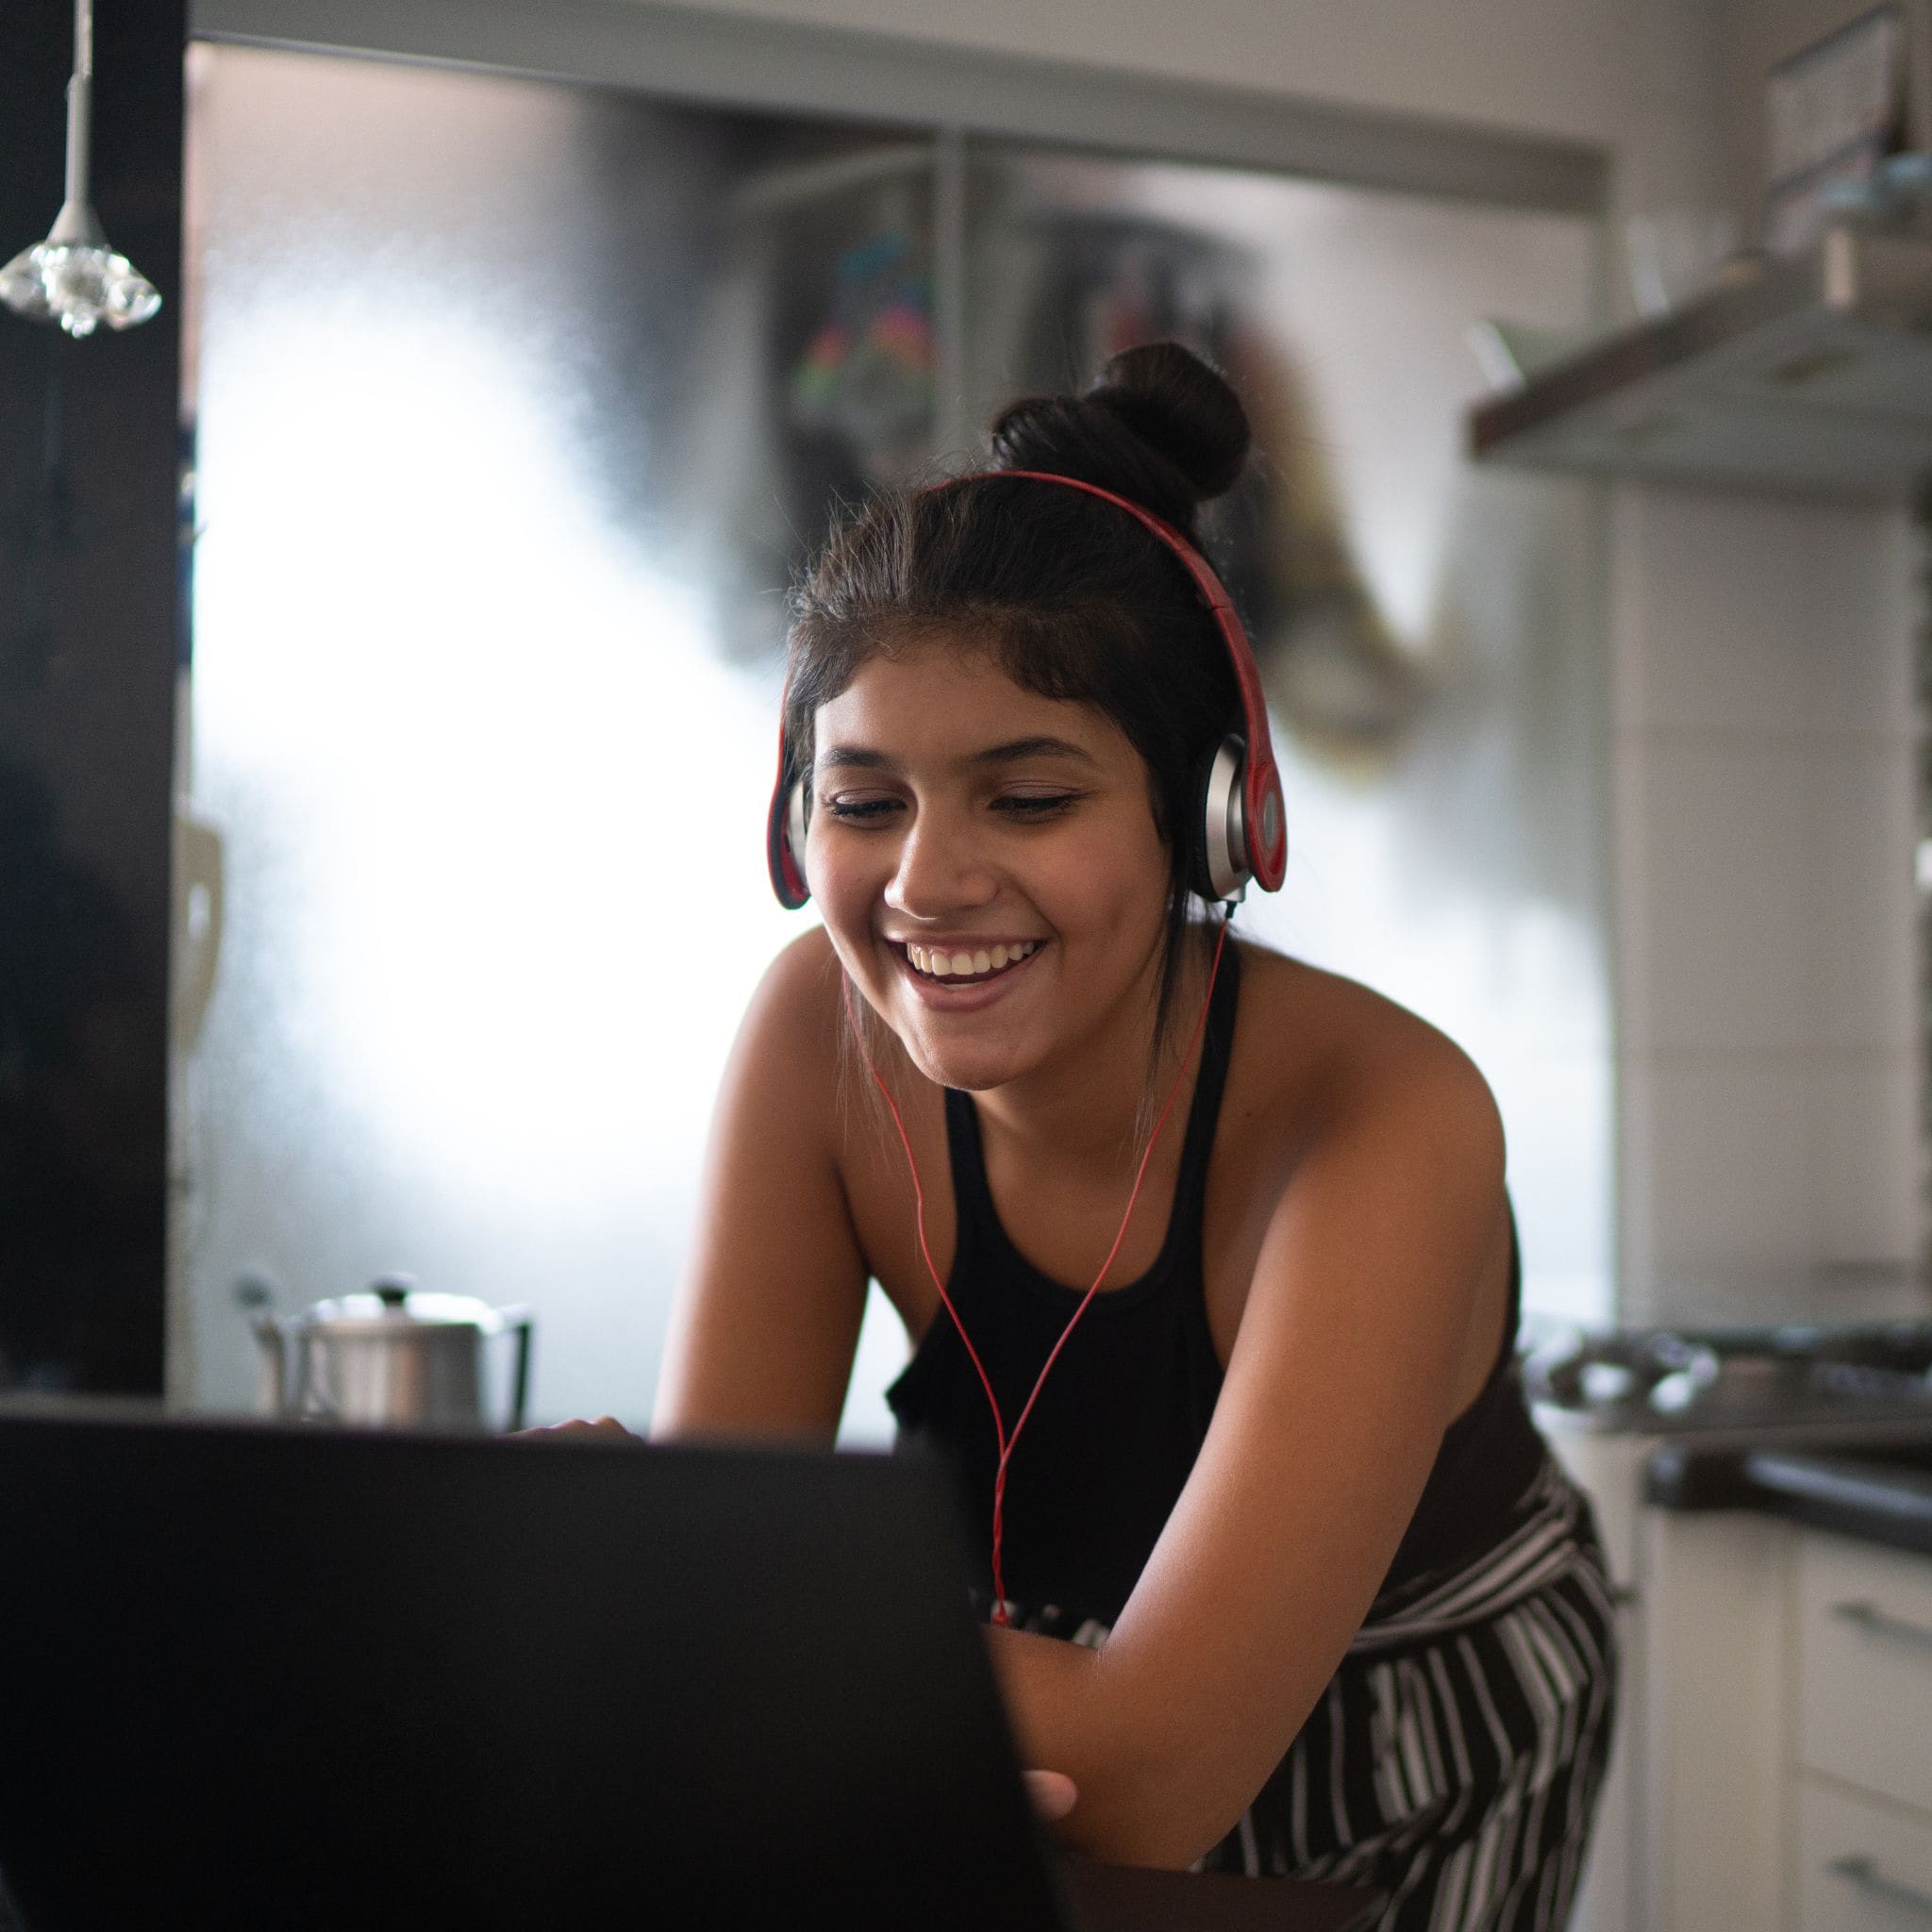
(1332, 1609)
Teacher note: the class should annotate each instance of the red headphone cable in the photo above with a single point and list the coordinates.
(1009, 1442)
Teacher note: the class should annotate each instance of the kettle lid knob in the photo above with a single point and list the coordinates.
(393, 1291)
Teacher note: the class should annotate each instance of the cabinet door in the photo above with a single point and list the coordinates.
(1864, 1656)
(1861, 1868)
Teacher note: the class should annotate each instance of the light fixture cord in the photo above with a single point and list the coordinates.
(80, 103)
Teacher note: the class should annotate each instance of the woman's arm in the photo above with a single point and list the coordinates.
(1338, 1392)
(767, 1315)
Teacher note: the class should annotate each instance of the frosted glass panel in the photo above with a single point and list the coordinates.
(515, 404)
(1428, 634)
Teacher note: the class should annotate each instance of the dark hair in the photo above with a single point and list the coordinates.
(1068, 594)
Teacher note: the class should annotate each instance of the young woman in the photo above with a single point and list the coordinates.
(1332, 1609)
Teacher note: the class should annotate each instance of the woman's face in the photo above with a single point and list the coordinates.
(986, 864)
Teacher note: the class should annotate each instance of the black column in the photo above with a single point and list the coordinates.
(90, 630)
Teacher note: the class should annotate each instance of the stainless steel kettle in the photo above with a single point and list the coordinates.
(391, 1358)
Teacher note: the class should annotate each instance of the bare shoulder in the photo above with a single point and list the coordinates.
(798, 1078)
(1316, 1049)
(803, 977)
(790, 1035)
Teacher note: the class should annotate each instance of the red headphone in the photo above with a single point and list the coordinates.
(1243, 823)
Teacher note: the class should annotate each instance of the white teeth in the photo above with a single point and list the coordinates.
(937, 964)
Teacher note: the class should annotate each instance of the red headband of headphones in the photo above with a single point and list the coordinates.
(1243, 808)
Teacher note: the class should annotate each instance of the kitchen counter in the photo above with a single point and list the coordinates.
(1877, 1490)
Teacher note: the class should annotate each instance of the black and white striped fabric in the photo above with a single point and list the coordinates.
(1452, 1762)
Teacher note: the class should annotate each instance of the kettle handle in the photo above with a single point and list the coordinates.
(272, 1371)
(523, 1322)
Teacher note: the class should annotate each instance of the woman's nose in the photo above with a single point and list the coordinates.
(939, 870)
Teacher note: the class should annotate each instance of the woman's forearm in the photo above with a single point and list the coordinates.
(1071, 1713)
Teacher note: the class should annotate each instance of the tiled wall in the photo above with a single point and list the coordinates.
(1764, 829)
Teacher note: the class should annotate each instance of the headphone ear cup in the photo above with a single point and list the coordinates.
(794, 825)
(1220, 869)
(785, 838)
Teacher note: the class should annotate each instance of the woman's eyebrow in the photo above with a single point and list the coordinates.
(852, 754)
(1031, 748)
(864, 758)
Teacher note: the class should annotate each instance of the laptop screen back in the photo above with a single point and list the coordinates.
(292, 1678)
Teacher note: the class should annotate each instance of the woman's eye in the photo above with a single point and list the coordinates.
(1034, 805)
(859, 810)
(1031, 805)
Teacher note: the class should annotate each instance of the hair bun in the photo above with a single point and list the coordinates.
(1159, 427)
(1175, 404)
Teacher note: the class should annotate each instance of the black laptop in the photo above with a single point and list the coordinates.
(283, 1677)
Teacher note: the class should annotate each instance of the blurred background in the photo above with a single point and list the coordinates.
(514, 407)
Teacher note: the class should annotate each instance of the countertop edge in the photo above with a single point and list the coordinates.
(1834, 1490)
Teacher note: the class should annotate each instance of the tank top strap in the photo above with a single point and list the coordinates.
(978, 1219)
(1512, 1320)
(1204, 1114)
(972, 1209)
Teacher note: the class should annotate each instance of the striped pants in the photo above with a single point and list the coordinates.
(1452, 1762)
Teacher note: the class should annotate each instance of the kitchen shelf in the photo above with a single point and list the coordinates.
(1815, 380)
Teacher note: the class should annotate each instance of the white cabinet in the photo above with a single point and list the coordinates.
(1859, 1805)
(1710, 1759)
(1610, 1469)
(1688, 1835)
(1784, 1772)
(1860, 1867)
(1772, 1770)
(1774, 1767)
(1863, 1630)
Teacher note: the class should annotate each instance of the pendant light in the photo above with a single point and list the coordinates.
(73, 277)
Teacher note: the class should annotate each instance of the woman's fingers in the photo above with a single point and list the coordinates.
(1054, 1793)
(605, 1428)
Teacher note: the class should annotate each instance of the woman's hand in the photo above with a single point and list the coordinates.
(1052, 1792)
(605, 1428)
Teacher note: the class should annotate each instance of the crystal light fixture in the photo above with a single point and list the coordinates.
(73, 277)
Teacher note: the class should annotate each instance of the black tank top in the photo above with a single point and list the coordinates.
(1124, 1414)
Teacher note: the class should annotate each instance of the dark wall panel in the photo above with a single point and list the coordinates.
(90, 633)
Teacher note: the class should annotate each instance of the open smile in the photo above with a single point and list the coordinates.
(949, 975)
